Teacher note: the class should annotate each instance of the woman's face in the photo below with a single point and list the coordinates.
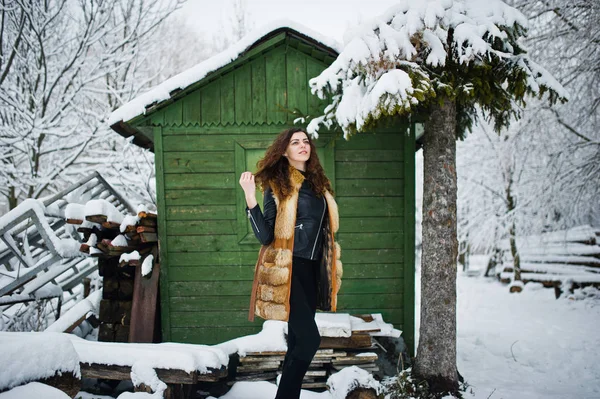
(298, 149)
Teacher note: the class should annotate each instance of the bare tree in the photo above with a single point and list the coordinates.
(554, 160)
(64, 64)
(566, 36)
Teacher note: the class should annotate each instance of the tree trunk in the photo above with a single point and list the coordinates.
(512, 231)
(13, 201)
(436, 354)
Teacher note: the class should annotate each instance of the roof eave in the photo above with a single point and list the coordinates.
(139, 138)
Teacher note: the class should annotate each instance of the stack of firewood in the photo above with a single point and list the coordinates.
(335, 353)
(140, 237)
(564, 260)
(120, 248)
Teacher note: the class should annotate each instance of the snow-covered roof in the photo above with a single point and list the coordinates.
(161, 92)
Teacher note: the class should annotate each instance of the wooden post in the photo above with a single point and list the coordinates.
(86, 287)
(145, 301)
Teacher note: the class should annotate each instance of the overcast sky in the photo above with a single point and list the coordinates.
(328, 17)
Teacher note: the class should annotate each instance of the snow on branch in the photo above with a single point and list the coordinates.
(420, 49)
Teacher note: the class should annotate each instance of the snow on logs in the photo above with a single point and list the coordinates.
(126, 248)
(346, 342)
(48, 358)
(564, 260)
(109, 233)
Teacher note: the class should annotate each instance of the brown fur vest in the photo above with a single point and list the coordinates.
(273, 271)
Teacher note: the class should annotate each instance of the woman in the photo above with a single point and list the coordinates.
(298, 269)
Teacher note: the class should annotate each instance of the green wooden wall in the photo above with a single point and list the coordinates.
(205, 139)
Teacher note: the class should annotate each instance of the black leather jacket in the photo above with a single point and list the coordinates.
(310, 218)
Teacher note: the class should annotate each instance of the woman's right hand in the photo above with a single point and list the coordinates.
(249, 187)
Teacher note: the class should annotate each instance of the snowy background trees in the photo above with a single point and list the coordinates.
(65, 65)
(550, 159)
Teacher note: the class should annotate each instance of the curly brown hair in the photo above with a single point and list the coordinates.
(274, 168)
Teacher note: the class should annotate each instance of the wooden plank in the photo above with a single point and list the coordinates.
(370, 301)
(200, 197)
(370, 207)
(244, 272)
(169, 376)
(371, 225)
(390, 315)
(148, 237)
(368, 155)
(162, 233)
(371, 286)
(243, 94)
(158, 118)
(232, 288)
(204, 212)
(214, 302)
(205, 243)
(369, 188)
(369, 170)
(370, 240)
(198, 162)
(174, 113)
(220, 130)
(297, 83)
(372, 141)
(375, 270)
(108, 372)
(256, 367)
(210, 318)
(276, 85)
(383, 256)
(214, 335)
(212, 273)
(353, 342)
(353, 359)
(259, 91)
(258, 359)
(224, 288)
(241, 167)
(199, 181)
(313, 69)
(265, 376)
(213, 258)
(314, 385)
(408, 289)
(191, 108)
(144, 303)
(198, 227)
(211, 103)
(227, 99)
(197, 142)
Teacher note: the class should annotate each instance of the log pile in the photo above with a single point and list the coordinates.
(335, 353)
(563, 260)
(121, 249)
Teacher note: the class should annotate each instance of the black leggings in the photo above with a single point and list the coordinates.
(303, 335)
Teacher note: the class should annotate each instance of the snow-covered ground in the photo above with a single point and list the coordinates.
(510, 346)
(527, 345)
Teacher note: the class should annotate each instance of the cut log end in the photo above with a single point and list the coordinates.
(515, 289)
(362, 393)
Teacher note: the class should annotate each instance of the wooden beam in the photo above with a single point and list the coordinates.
(144, 304)
(168, 376)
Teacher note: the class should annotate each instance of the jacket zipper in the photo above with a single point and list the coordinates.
(251, 218)
(319, 230)
(300, 226)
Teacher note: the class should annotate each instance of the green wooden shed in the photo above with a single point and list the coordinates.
(214, 121)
